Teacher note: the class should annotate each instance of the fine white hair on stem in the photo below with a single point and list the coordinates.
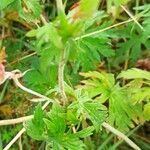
(121, 135)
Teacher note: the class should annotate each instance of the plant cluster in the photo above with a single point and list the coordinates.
(81, 66)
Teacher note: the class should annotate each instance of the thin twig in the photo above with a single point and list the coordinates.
(121, 135)
(15, 121)
(132, 17)
(21, 119)
(43, 19)
(4, 36)
(21, 131)
(45, 105)
(102, 30)
(15, 139)
(30, 91)
(60, 7)
(74, 129)
(22, 58)
(20, 143)
(128, 134)
(37, 100)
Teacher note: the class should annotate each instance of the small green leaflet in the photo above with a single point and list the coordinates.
(96, 112)
(141, 94)
(92, 51)
(35, 6)
(135, 39)
(35, 127)
(51, 127)
(5, 3)
(85, 132)
(87, 108)
(98, 84)
(56, 130)
(135, 73)
(56, 122)
(47, 36)
(100, 45)
(88, 7)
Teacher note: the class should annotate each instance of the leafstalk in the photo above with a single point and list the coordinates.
(61, 77)
(60, 8)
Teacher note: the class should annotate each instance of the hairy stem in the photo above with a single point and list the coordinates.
(121, 135)
(61, 78)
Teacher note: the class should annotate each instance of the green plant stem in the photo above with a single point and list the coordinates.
(3, 91)
(87, 140)
(121, 141)
(61, 78)
(60, 8)
(126, 64)
(120, 135)
(136, 4)
(102, 146)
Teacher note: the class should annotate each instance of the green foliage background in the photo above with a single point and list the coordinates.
(100, 78)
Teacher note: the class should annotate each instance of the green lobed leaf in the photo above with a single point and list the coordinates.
(121, 111)
(141, 94)
(96, 112)
(85, 132)
(48, 33)
(87, 108)
(102, 87)
(56, 122)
